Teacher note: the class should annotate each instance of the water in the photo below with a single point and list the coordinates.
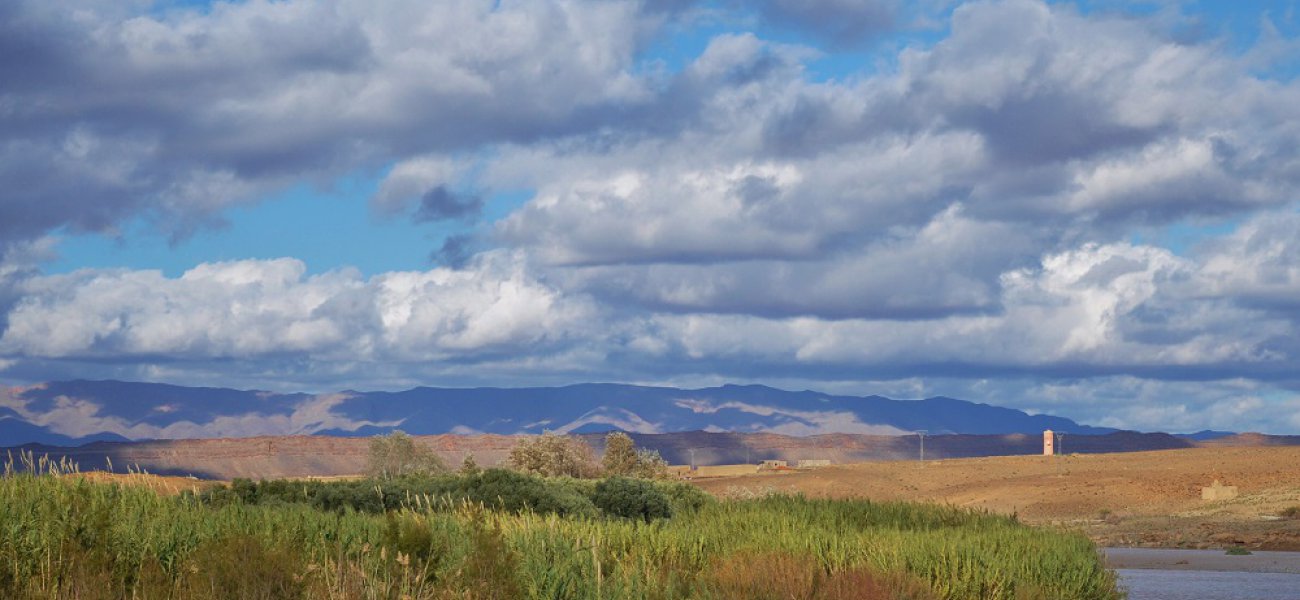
(1160, 584)
(1151, 574)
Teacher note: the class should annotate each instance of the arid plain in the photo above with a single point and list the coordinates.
(1121, 499)
(1150, 499)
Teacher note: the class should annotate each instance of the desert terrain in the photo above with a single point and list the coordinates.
(306, 456)
(1148, 499)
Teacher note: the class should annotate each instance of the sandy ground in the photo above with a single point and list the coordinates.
(1148, 499)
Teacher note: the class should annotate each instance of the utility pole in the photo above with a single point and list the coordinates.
(1060, 444)
(920, 433)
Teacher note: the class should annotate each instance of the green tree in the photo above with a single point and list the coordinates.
(397, 454)
(469, 466)
(620, 454)
(632, 499)
(553, 455)
(622, 458)
(649, 465)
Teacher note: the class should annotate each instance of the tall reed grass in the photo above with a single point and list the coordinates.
(64, 537)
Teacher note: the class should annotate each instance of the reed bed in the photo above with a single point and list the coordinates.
(62, 536)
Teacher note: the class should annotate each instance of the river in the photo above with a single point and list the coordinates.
(1152, 574)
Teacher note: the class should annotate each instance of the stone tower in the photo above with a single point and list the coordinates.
(1049, 443)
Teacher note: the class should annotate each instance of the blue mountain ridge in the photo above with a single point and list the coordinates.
(130, 410)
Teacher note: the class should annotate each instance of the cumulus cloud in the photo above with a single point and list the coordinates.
(176, 114)
(962, 208)
(255, 308)
(949, 266)
(1259, 263)
(1091, 311)
(1030, 130)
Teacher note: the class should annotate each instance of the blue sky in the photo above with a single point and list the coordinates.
(1053, 206)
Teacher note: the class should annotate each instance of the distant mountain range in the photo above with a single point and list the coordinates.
(69, 413)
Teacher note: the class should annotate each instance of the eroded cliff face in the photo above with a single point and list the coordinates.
(303, 456)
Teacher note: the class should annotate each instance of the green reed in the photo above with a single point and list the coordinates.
(64, 537)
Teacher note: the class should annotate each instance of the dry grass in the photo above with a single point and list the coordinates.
(1153, 498)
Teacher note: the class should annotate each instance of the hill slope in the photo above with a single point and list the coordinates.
(318, 455)
(70, 412)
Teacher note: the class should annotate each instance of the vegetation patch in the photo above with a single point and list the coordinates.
(65, 537)
(414, 530)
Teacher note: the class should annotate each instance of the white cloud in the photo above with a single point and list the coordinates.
(178, 114)
(962, 208)
(247, 309)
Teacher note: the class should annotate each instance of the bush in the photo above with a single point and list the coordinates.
(553, 455)
(240, 566)
(622, 458)
(684, 497)
(620, 454)
(503, 489)
(398, 455)
(631, 499)
(499, 489)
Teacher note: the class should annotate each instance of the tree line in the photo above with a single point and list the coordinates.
(546, 474)
(549, 455)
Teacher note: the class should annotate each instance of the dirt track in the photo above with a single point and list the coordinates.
(1138, 498)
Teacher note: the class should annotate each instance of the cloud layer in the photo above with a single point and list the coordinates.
(981, 208)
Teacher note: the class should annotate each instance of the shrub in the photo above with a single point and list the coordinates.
(684, 497)
(397, 455)
(620, 454)
(500, 489)
(515, 492)
(239, 566)
(1290, 512)
(632, 499)
(622, 458)
(469, 466)
(553, 455)
(650, 465)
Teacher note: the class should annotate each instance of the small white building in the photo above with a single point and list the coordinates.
(1218, 491)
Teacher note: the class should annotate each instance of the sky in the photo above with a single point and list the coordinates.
(1088, 209)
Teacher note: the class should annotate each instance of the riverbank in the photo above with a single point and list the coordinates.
(1202, 560)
